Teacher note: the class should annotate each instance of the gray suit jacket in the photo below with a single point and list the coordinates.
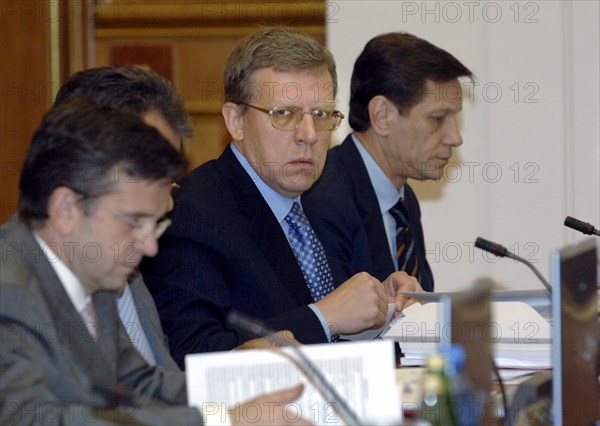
(150, 322)
(51, 372)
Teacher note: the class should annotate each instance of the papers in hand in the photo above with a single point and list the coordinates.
(521, 337)
(372, 334)
(362, 372)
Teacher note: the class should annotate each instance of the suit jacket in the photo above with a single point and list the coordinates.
(52, 372)
(346, 178)
(225, 250)
(150, 322)
(147, 313)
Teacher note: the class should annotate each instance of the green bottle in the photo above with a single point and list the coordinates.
(436, 405)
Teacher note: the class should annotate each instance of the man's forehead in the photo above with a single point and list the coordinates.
(125, 182)
(291, 86)
(446, 92)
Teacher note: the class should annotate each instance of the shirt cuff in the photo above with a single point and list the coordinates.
(324, 324)
(215, 414)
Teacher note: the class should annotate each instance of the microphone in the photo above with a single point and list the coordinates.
(502, 251)
(578, 225)
(253, 327)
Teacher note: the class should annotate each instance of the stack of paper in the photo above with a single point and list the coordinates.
(520, 337)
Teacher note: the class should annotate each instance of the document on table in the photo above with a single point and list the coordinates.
(520, 336)
(362, 373)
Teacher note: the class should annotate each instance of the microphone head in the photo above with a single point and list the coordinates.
(579, 225)
(250, 326)
(491, 247)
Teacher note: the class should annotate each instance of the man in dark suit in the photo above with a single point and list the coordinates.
(240, 239)
(404, 104)
(93, 193)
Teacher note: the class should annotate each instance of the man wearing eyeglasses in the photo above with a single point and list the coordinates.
(94, 190)
(240, 239)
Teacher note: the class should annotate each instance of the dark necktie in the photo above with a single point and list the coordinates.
(405, 243)
(309, 253)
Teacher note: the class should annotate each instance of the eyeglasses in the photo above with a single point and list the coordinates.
(142, 230)
(288, 117)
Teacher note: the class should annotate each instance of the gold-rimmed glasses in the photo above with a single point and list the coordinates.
(288, 117)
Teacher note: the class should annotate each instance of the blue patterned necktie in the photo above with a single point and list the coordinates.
(309, 253)
(405, 243)
(131, 321)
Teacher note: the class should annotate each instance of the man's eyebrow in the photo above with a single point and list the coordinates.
(141, 215)
(446, 109)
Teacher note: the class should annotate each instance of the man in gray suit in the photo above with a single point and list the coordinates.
(93, 192)
(153, 99)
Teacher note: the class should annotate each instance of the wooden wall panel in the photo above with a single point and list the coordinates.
(26, 88)
(155, 56)
(41, 43)
(200, 36)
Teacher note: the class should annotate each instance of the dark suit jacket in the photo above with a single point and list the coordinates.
(346, 178)
(50, 369)
(225, 250)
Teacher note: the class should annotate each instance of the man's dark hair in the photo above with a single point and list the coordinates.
(397, 66)
(88, 148)
(130, 89)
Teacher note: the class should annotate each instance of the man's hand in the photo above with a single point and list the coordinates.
(269, 409)
(268, 342)
(401, 282)
(359, 304)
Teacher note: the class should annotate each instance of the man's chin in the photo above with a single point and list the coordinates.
(433, 174)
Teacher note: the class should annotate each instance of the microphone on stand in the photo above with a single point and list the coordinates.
(578, 225)
(502, 251)
(309, 369)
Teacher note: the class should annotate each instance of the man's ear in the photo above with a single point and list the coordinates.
(234, 120)
(63, 211)
(380, 109)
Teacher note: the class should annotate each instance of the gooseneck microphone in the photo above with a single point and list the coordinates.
(578, 225)
(502, 251)
(309, 369)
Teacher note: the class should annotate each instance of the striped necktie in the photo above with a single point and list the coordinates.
(131, 322)
(405, 243)
(309, 253)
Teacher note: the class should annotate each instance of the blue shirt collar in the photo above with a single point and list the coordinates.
(279, 205)
(386, 192)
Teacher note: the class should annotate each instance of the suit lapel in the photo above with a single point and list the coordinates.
(69, 325)
(264, 230)
(108, 319)
(368, 207)
(150, 321)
